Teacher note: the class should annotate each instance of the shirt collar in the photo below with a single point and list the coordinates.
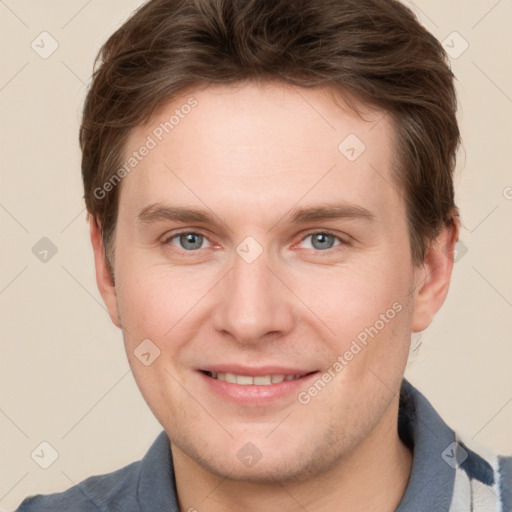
(430, 484)
(156, 488)
(420, 427)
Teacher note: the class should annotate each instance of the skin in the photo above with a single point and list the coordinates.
(251, 155)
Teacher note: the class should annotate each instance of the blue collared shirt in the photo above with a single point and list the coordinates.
(446, 474)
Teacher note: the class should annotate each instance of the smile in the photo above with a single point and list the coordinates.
(247, 380)
(255, 387)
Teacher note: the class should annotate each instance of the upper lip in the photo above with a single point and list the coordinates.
(252, 371)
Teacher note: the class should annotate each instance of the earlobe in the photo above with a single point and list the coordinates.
(433, 278)
(104, 278)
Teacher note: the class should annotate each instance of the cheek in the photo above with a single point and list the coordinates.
(368, 314)
(349, 299)
(154, 300)
(159, 305)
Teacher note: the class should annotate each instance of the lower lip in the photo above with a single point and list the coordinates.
(256, 395)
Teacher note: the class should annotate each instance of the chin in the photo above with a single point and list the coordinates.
(259, 461)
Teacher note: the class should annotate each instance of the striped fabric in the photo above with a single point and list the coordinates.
(448, 474)
(482, 482)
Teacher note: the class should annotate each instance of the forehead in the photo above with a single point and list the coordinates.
(255, 145)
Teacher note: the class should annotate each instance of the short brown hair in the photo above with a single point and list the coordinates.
(374, 49)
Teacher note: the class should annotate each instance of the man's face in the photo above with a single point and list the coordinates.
(297, 257)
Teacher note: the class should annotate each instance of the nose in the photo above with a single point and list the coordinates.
(253, 304)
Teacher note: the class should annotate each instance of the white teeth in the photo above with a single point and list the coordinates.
(244, 380)
(260, 380)
(228, 377)
(263, 381)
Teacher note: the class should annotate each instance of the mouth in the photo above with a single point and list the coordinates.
(254, 380)
(255, 387)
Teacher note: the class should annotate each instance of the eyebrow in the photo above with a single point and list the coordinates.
(326, 212)
(157, 212)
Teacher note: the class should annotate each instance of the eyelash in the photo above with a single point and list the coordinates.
(342, 242)
(167, 240)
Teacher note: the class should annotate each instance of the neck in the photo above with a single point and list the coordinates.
(373, 476)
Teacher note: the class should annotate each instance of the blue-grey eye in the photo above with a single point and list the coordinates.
(190, 241)
(321, 241)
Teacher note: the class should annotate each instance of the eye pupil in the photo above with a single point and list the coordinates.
(190, 241)
(322, 241)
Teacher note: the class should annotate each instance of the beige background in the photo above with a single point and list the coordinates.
(64, 378)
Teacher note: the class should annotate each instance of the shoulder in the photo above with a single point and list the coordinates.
(460, 474)
(144, 485)
(112, 492)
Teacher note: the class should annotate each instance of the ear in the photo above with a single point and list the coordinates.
(433, 277)
(104, 279)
